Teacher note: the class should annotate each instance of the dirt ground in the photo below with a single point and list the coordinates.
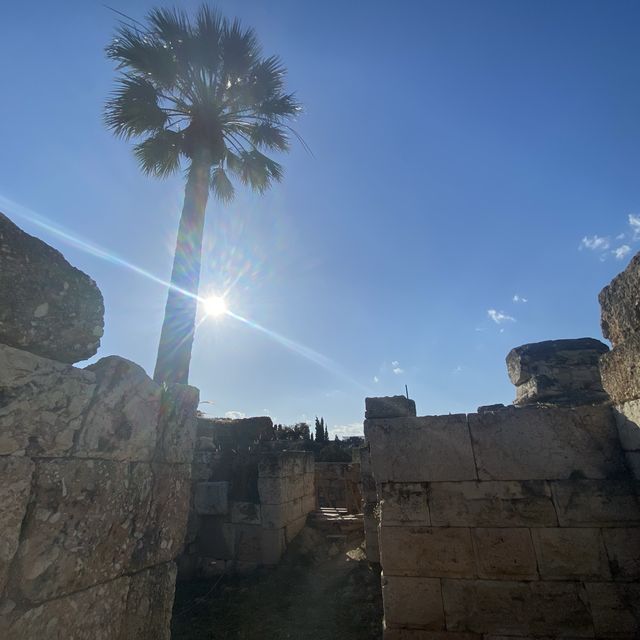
(317, 592)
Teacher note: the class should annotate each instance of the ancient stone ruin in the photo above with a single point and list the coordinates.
(95, 463)
(521, 521)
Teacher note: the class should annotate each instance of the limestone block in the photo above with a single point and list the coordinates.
(615, 608)
(492, 504)
(404, 503)
(279, 490)
(421, 449)
(390, 407)
(245, 513)
(595, 503)
(259, 545)
(83, 527)
(372, 548)
(235, 434)
(149, 603)
(294, 527)
(47, 306)
(15, 488)
(121, 423)
(216, 538)
(623, 550)
(628, 421)
(211, 498)
(557, 371)
(412, 602)
(44, 403)
(309, 483)
(518, 608)
(426, 551)
(392, 633)
(620, 304)
(542, 443)
(162, 531)
(96, 613)
(504, 554)
(571, 554)
(177, 424)
(276, 516)
(620, 371)
(281, 464)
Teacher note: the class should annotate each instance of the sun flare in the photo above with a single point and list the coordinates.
(215, 306)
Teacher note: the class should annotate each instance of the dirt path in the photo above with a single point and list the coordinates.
(316, 593)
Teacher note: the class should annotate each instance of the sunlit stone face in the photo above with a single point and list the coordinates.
(215, 306)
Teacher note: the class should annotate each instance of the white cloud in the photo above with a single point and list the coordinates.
(621, 251)
(596, 242)
(516, 298)
(376, 379)
(395, 363)
(346, 430)
(235, 415)
(634, 222)
(499, 317)
(398, 370)
(620, 236)
(457, 370)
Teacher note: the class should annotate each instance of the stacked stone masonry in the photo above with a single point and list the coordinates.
(518, 522)
(95, 470)
(247, 502)
(338, 485)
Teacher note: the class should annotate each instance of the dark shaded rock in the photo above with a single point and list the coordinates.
(620, 304)
(47, 306)
(620, 369)
(558, 372)
(390, 407)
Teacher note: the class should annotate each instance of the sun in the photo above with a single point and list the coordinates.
(215, 306)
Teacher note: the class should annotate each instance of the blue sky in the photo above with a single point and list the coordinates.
(464, 153)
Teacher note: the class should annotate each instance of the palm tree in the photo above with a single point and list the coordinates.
(198, 93)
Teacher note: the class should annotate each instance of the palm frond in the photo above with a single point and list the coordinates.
(133, 108)
(269, 136)
(221, 185)
(258, 171)
(240, 51)
(159, 154)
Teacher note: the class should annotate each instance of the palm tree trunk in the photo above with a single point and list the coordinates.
(176, 338)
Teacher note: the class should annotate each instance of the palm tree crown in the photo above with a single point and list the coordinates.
(200, 90)
(197, 91)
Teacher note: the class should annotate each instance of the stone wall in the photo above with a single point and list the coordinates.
(514, 522)
(247, 502)
(338, 485)
(620, 367)
(95, 464)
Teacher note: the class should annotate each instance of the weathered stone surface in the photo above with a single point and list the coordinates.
(47, 306)
(371, 520)
(240, 433)
(492, 504)
(216, 538)
(96, 613)
(595, 503)
(615, 608)
(412, 602)
(282, 464)
(571, 554)
(421, 449)
(620, 371)
(211, 498)
(404, 503)
(518, 608)
(15, 488)
(504, 554)
(391, 633)
(293, 528)
(390, 407)
(121, 423)
(43, 403)
(623, 550)
(558, 372)
(542, 443)
(426, 551)
(245, 513)
(628, 421)
(620, 304)
(149, 602)
(177, 424)
(279, 490)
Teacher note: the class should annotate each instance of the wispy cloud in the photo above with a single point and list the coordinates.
(376, 379)
(516, 298)
(499, 317)
(398, 370)
(595, 243)
(621, 252)
(346, 430)
(457, 370)
(634, 223)
(235, 415)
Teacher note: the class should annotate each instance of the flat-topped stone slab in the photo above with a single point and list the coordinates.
(47, 306)
(557, 372)
(390, 407)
